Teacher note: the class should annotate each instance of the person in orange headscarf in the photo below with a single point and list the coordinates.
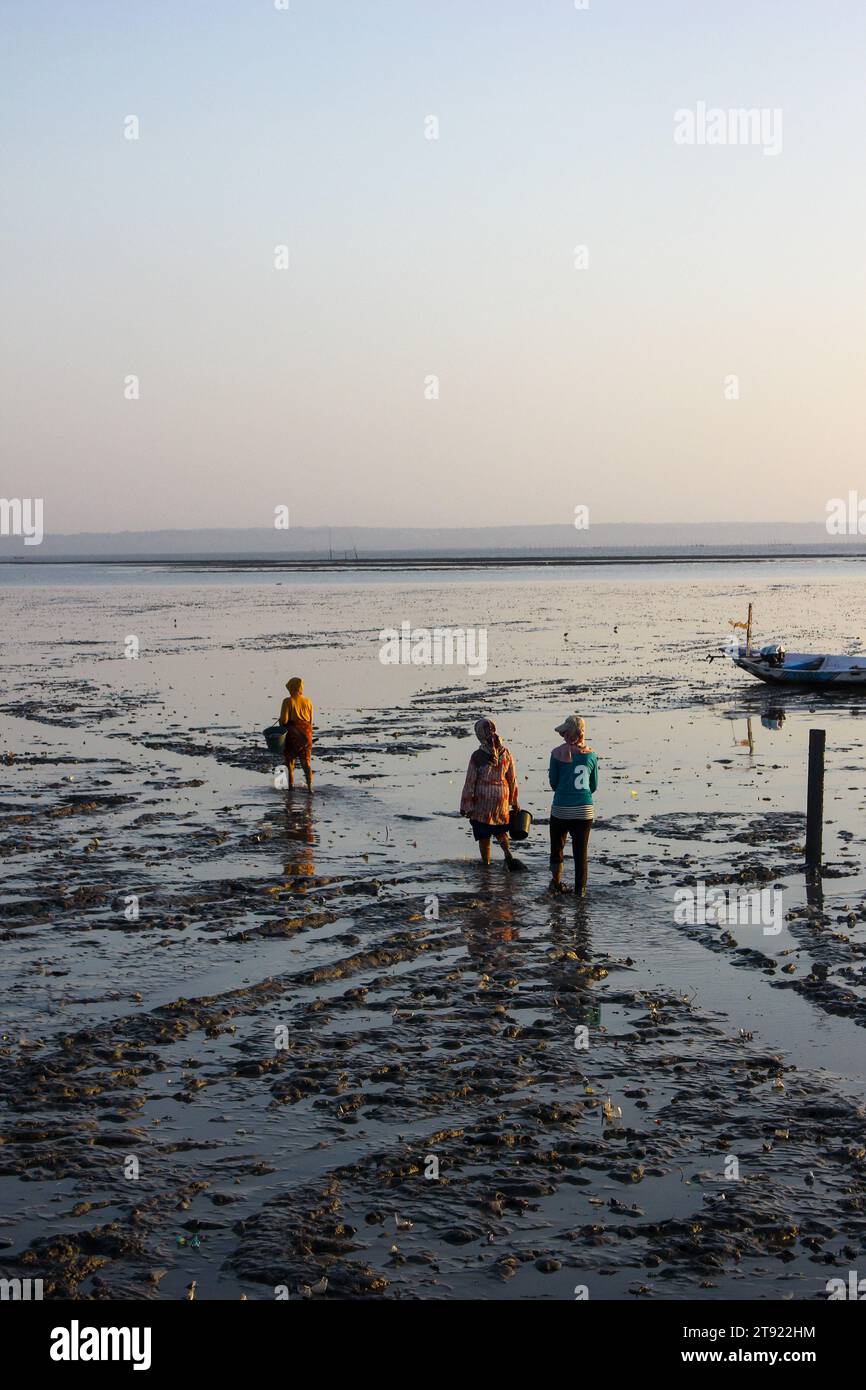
(297, 717)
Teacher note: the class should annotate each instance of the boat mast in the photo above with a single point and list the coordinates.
(748, 626)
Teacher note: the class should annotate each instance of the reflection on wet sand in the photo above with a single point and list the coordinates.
(300, 833)
(491, 934)
(570, 924)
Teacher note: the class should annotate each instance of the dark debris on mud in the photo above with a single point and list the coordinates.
(398, 1107)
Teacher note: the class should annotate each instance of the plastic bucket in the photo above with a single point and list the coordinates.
(519, 823)
(275, 738)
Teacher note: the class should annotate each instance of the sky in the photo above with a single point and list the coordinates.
(437, 352)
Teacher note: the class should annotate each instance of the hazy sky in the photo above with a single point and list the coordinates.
(411, 257)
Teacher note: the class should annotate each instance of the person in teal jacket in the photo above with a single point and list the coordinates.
(573, 778)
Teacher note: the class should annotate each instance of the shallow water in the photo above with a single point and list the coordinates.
(149, 777)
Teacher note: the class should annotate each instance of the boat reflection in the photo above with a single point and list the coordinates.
(773, 710)
(773, 717)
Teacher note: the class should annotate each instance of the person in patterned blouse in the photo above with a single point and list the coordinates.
(490, 794)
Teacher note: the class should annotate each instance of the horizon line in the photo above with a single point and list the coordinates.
(412, 526)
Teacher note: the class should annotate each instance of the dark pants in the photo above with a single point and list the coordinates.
(579, 832)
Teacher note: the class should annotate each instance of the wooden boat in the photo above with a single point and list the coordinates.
(777, 666)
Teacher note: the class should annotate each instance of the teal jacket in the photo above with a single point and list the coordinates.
(573, 776)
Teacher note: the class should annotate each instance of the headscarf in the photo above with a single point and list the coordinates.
(573, 730)
(491, 743)
(300, 706)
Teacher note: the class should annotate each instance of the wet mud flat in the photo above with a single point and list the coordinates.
(300, 1048)
(349, 1098)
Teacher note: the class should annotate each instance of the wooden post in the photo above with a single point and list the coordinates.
(815, 800)
(749, 633)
